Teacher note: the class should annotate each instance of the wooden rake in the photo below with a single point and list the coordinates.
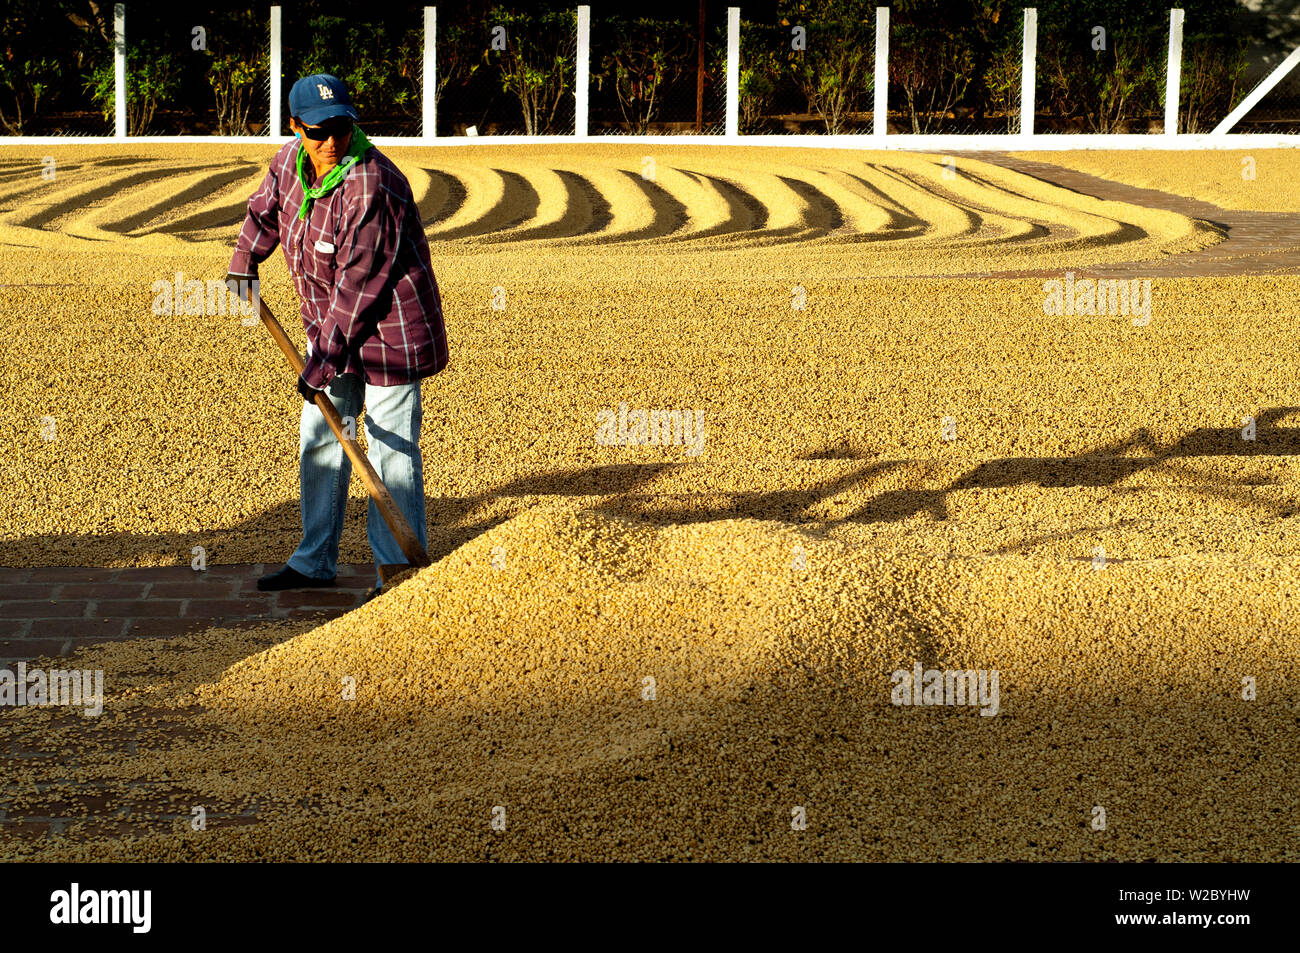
(415, 553)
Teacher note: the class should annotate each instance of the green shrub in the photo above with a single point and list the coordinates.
(835, 71)
(152, 79)
(646, 56)
(537, 63)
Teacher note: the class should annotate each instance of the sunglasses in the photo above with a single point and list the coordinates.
(336, 128)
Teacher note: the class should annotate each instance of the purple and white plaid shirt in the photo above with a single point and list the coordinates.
(360, 261)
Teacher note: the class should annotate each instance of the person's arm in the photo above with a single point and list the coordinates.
(261, 232)
(370, 233)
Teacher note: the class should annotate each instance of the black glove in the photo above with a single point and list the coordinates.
(308, 392)
(240, 284)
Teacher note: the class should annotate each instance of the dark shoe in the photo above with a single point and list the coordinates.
(290, 578)
(377, 591)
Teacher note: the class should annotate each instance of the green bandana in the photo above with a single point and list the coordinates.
(334, 176)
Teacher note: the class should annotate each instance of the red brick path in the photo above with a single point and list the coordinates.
(1258, 243)
(55, 611)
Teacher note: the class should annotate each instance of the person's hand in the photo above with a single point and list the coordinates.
(308, 392)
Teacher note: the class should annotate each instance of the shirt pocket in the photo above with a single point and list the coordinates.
(319, 246)
(318, 259)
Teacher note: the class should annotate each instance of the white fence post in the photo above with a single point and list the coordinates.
(1175, 71)
(119, 70)
(880, 91)
(429, 76)
(274, 130)
(583, 79)
(1258, 93)
(733, 71)
(1029, 53)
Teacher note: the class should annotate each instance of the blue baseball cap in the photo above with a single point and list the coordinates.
(318, 97)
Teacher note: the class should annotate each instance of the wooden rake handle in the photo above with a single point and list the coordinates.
(415, 553)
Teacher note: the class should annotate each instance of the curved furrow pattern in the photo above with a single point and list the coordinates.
(1077, 222)
(597, 213)
(213, 222)
(1053, 212)
(551, 210)
(945, 223)
(822, 211)
(586, 212)
(26, 169)
(446, 197)
(984, 223)
(485, 209)
(789, 214)
(675, 199)
(894, 220)
(155, 209)
(859, 213)
(661, 214)
(64, 206)
(741, 212)
(520, 200)
(709, 210)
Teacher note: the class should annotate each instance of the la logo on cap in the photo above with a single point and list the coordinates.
(325, 91)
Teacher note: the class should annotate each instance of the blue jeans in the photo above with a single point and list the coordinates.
(393, 417)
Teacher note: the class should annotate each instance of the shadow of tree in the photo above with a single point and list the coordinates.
(1107, 465)
(455, 521)
(451, 519)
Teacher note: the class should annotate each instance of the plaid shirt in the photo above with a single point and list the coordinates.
(360, 261)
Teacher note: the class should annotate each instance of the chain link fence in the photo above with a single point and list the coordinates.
(1265, 32)
(807, 71)
(954, 66)
(378, 55)
(509, 71)
(646, 73)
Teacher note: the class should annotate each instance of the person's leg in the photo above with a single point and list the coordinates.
(393, 420)
(323, 474)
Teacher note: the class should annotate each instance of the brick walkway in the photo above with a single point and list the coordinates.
(1258, 243)
(55, 611)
